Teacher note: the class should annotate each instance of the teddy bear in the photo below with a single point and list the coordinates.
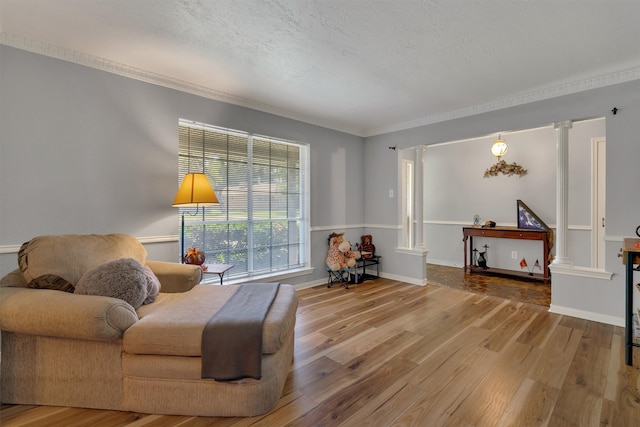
(366, 245)
(340, 256)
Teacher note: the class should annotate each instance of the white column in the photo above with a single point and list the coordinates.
(419, 198)
(562, 193)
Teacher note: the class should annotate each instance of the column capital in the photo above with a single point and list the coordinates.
(567, 124)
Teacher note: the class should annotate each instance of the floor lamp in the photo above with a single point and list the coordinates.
(195, 191)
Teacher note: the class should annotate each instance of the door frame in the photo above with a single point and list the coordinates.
(598, 199)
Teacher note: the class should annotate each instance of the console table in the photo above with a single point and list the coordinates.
(630, 258)
(506, 233)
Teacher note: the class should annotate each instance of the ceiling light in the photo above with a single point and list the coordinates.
(499, 148)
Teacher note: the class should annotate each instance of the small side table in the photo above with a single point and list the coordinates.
(218, 269)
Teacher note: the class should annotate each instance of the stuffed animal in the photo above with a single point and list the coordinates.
(340, 256)
(367, 246)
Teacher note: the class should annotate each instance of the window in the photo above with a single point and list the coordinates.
(261, 224)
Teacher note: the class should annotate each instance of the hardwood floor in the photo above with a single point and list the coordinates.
(517, 289)
(386, 353)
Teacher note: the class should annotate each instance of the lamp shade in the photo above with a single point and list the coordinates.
(499, 148)
(195, 191)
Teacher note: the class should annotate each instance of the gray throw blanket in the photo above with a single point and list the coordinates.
(232, 339)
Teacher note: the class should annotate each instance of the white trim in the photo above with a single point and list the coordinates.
(9, 249)
(579, 227)
(336, 228)
(410, 280)
(158, 239)
(385, 226)
(13, 249)
(504, 224)
(539, 95)
(613, 238)
(444, 263)
(453, 223)
(339, 228)
(42, 48)
(306, 285)
(572, 270)
(588, 315)
(412, 251)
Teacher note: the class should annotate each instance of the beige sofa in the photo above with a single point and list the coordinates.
(65, 349)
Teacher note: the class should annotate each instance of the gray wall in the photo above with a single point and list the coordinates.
(622, 204)
(455, 190)
(85, 151)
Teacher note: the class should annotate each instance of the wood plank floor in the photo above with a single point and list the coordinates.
(517, 289)
(386, 353)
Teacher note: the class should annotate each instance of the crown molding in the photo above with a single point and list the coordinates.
(47, 49)
(539, 95)
(42, 48)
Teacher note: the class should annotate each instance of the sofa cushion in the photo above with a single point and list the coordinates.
(122, 278)
(173, 324)
(59, 261)
(61, 314)
(175, 277)
(153, 285)
(13, 279)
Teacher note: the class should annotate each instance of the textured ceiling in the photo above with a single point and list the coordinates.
(362, 67)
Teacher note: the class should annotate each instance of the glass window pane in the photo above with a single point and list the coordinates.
(256, 179)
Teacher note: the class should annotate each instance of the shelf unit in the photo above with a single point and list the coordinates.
(363, 263)
(631, 260)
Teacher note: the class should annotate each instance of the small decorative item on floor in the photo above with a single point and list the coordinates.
(367, 246)
(482, 258)
(340, 256)
(194, 256)
(482, 261)
(523, 265)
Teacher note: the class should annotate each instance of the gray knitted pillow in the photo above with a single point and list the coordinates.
(153, 285)
(122, 278)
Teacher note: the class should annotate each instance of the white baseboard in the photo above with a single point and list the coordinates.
(587, 315)
(444, 263)
(410, 280)
(311, 284)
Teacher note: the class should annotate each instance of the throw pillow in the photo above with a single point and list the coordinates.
(153, 285)
(122, 278)
(43, 281)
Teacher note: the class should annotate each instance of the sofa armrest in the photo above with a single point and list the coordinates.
(62, 314)
(175, 277)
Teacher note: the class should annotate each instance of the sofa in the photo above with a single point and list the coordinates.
(64, 347)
